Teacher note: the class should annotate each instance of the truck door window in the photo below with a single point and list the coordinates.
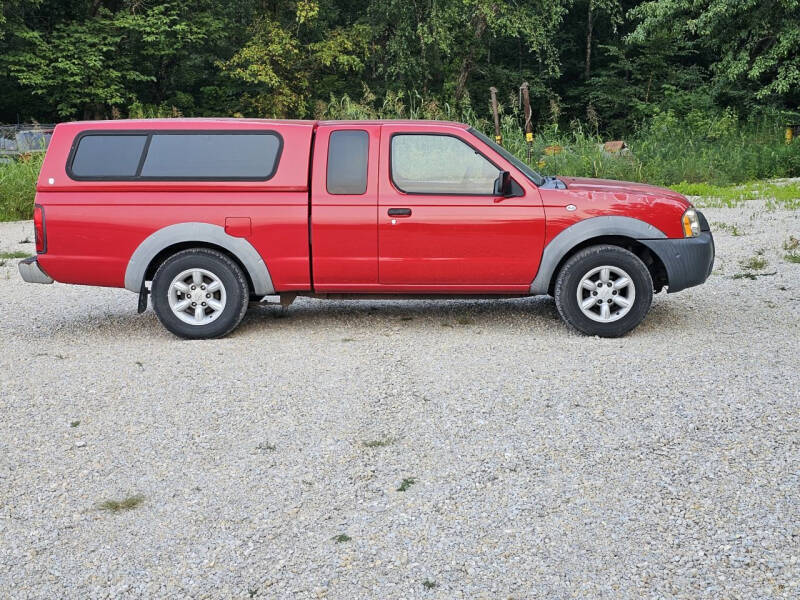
(347, 162)
(440, 164)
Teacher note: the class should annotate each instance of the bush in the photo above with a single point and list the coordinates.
(669, 150)
(18, 187)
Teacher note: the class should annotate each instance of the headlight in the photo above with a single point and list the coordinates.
(691, 223)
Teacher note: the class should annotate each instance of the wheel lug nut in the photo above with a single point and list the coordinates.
(594, 293)
(193, 287)
(204, 303)
(188, 295)
(599, 301)
(609, 300)
(208, 295)
(202, 287)
(194, 303)
(614, 292)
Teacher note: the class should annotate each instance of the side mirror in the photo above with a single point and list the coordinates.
(502, 185)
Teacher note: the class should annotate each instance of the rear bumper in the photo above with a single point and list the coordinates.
(31, 272)
(688, 261)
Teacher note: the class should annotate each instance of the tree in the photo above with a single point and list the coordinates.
(78, 65)
(445, 43)
(289, 52)
(753, 41)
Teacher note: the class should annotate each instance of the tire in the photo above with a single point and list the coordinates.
(619, 277)
(223, 297)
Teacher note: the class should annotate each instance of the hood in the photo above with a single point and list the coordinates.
(628, 188)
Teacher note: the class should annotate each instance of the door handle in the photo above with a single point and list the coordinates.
(399, 212)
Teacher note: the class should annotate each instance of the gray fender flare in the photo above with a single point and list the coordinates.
(198, 232)
(585, 230)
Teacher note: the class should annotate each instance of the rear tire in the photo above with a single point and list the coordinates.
(604, 291)
(199, 294)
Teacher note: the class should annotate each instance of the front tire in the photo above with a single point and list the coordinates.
(604, 291)
(199, 294)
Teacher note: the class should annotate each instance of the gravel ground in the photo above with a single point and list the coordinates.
(544, 464)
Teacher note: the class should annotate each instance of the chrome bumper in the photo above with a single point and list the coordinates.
(31, 272)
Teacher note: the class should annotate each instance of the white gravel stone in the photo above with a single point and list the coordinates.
(547, 465)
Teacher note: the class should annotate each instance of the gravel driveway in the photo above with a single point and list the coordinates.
(453, 449)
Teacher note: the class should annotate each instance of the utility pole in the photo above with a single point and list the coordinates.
(497, 137)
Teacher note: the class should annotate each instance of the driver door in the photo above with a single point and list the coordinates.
(440, 223)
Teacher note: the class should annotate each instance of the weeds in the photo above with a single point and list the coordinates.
(757, 262)
(18, 187)
(378, 443)
(121, 505)
(74, 423)
(778, 195)
(791, 244)
(406, 483)
(667, 149)
(15, 254)
(753, 276)
(58, 356)
(732, 229)
(341, 538)
(792, 257)
(429, 585)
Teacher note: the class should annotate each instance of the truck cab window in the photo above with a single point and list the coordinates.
(440, 164)
(347, 162)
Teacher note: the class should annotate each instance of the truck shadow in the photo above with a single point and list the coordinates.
(308, 316)
(313, 311)
(531, 313)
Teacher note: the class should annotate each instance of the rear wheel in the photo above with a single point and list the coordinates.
(604, 290)
(199, 293)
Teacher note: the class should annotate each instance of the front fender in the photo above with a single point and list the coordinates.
(584, 230)
(202, 233)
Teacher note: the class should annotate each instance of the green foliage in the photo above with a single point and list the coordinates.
(612, 64)
(14, 254)
(753, 42)
(18, 186)
(406, 484)
(778, 195)
(77, 64)
(125, 504)
(668, 150)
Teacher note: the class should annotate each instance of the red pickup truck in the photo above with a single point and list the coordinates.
(207, 215)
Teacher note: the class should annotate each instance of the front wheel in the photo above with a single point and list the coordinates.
(604, 291)
(199, 293)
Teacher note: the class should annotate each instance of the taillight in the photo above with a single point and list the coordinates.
(38, 228)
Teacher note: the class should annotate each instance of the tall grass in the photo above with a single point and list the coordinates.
(669, 149)
(18, 187)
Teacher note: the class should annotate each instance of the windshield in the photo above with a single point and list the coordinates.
(526, 170)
